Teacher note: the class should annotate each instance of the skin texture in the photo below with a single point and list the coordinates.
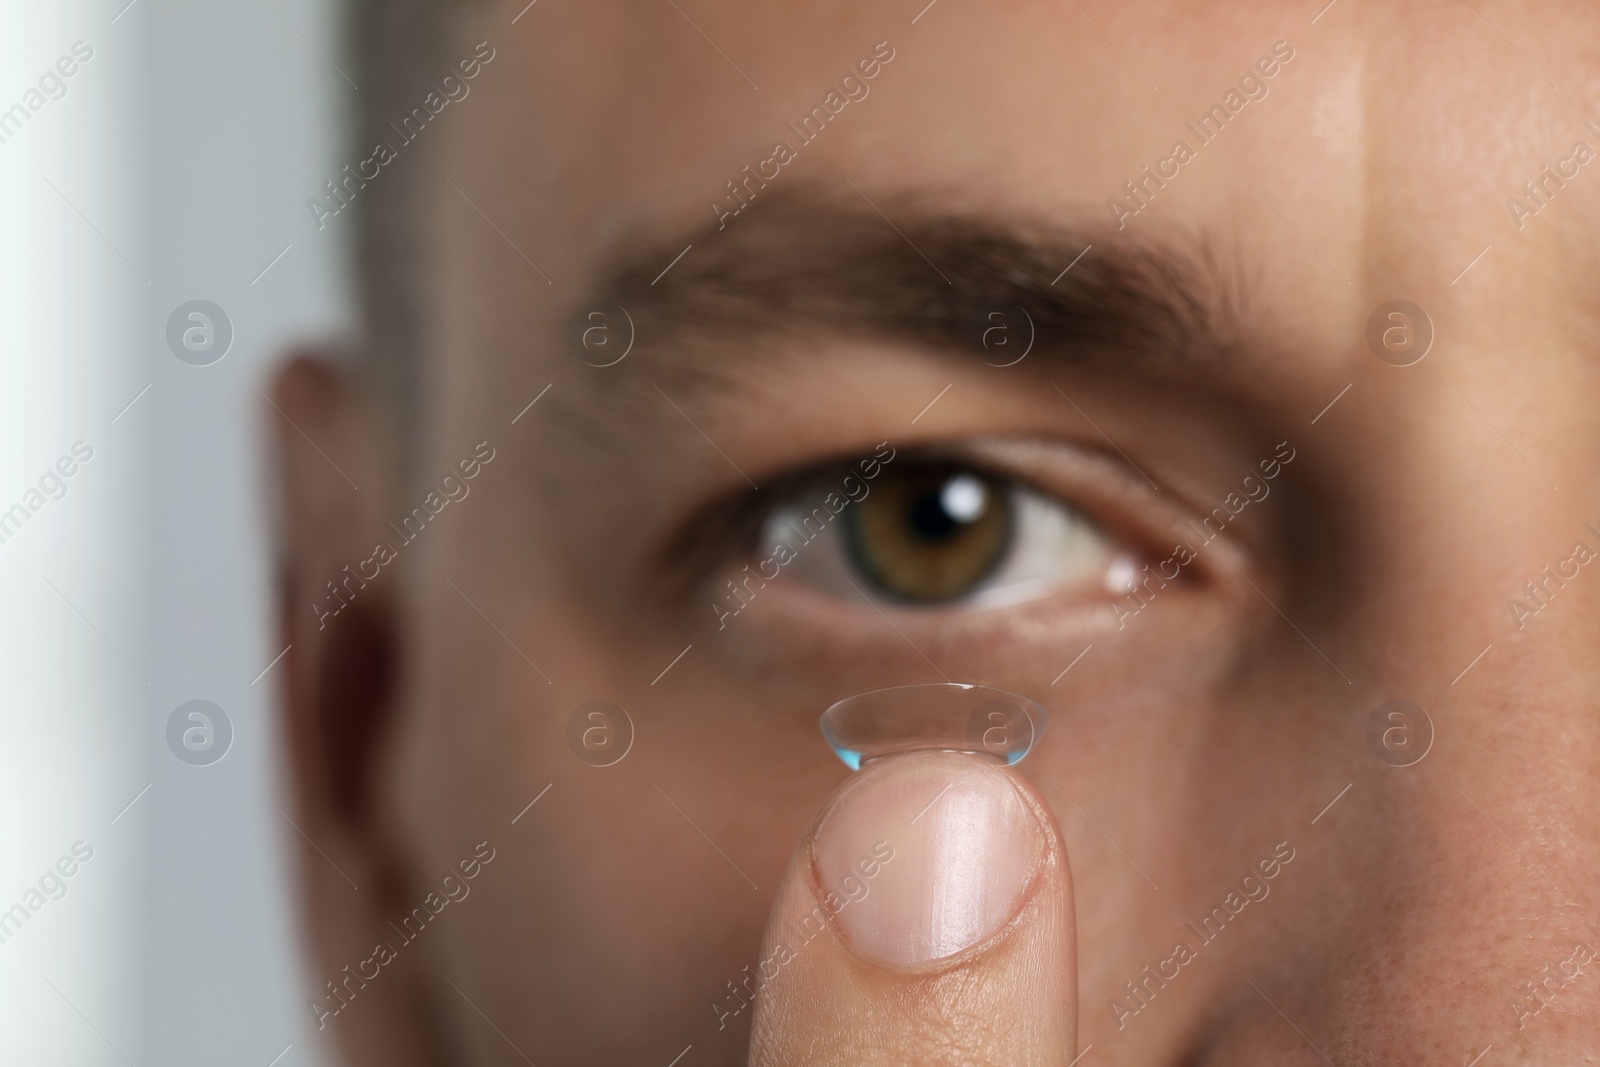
(1194, 743)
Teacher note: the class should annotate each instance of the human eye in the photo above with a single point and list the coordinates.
(932, 531)
(956, 554)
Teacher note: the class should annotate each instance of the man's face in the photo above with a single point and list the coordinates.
(1082, 313)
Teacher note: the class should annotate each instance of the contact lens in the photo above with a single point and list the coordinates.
(942, 716)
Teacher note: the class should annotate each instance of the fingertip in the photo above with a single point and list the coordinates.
(925, 856)
(926, 919)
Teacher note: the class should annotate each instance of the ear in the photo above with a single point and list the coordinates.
(339, 699)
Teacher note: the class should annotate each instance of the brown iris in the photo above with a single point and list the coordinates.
(930, 533)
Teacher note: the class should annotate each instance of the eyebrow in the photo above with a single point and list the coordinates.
(806, 261)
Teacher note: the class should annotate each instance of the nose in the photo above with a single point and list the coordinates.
(1467, 919)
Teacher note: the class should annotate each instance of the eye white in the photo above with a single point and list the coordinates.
(1052, 545)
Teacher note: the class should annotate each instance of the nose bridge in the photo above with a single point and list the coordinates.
(1473, 590)
(1476, 917)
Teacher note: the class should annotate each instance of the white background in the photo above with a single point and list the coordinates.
(176, 167)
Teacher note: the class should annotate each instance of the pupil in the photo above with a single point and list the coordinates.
(929, 517)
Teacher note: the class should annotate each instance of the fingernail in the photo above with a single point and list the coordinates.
(925, 855)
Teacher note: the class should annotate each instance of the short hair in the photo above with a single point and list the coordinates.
(398, 49)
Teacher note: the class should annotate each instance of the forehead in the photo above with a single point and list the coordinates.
(1049, 105)
(1338, 156)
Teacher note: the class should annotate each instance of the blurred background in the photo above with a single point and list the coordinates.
(156, 257)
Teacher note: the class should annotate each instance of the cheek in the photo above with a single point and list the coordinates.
(645, 849)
